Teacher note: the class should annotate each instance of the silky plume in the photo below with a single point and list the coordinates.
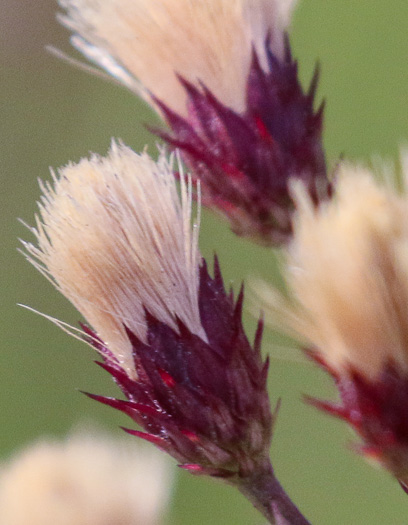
(346, 273)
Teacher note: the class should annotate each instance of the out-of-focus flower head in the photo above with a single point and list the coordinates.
(146, 44)
(117, 240)
(86, 480)
(347, 276)
(222, 76)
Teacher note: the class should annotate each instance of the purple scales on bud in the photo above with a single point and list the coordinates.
(245, 160)
(205, 403)
(377, 409)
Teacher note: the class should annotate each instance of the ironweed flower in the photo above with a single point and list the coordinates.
(87, 480)
(116, 239)
(222, 76)
(347, 275)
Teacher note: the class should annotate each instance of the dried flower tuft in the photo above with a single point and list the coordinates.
(116, 240)
(347, 275)
(231, 97)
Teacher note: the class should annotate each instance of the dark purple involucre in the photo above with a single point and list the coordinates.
(205, 403)
(378, 411)
(244, 161)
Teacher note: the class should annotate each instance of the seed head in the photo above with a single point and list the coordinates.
(116, 239)
(347, 276)
(222, 76)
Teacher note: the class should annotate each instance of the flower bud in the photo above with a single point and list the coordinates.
(117, 240)
(347, 276)
(222, 76)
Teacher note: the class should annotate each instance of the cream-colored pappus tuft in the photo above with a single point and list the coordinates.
(144, 44)
(114, 236)
(347, 275)
(86, 480)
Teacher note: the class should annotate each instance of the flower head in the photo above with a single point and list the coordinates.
(86, 480)
(117, 241)
(222, 76)
(347, 275)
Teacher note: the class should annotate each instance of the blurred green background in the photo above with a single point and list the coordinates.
(51, 113)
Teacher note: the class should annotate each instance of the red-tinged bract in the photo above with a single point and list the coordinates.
(245, 161)
(377, 409)
(203, 402)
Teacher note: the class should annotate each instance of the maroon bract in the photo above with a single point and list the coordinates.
(377, 409)
(203, 402)
(245, 161)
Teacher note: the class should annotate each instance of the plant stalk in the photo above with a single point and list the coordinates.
(264, 491)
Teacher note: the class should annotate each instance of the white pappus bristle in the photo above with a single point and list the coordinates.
(153, 41)
(115, 237)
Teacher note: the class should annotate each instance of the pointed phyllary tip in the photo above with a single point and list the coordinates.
(245, 160)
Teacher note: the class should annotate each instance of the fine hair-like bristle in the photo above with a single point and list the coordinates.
(145, 44)
(115, 237)
(347, 275)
